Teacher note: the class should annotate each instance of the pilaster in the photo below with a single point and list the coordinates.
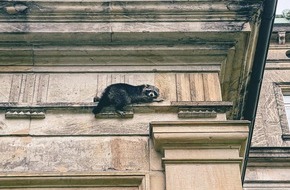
(207, 155)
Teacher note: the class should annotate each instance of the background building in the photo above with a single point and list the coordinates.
(268, 165)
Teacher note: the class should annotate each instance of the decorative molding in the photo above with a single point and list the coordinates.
(217, 106)
(268, 167)
(280, 66)
(26, 54)
(286, 136)
(196, 113)
(120, 11)
(202, 67)
(286, 13)
(25, 114)
(16, 9)
(106, 179)
(269, 156)
(265, 184)
(282, 38)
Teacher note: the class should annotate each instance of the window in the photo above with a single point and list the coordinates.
(286, 99)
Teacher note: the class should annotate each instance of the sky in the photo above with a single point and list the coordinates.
(282, 5)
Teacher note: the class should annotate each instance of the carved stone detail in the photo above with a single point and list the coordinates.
(16, 9)
(25, 114)
(286, 13)
(282, 38)
(195, 113)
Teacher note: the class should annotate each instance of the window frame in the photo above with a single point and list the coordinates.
(287, 105)
(282, 89)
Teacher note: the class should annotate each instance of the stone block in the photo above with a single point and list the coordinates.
(157, 181)
(203, 177)
(13, 127)
(72, 87)
(73, 154)
(83, 87)
(155, 159)
(75, 123)
(5, 87)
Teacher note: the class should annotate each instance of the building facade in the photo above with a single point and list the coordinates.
(57, 55)
(268, 165)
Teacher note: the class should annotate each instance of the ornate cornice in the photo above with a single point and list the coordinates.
(124, 11)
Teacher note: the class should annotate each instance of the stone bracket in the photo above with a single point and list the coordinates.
(25, 114)
(196, 113)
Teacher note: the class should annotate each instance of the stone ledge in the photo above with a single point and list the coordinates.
(107, 29)
(269, 156)
(265, 184)
(196, 113)
(108, 179)
(218, 106)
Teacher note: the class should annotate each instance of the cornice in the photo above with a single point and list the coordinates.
(104, 11)
(115, 55)
(269, 156)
